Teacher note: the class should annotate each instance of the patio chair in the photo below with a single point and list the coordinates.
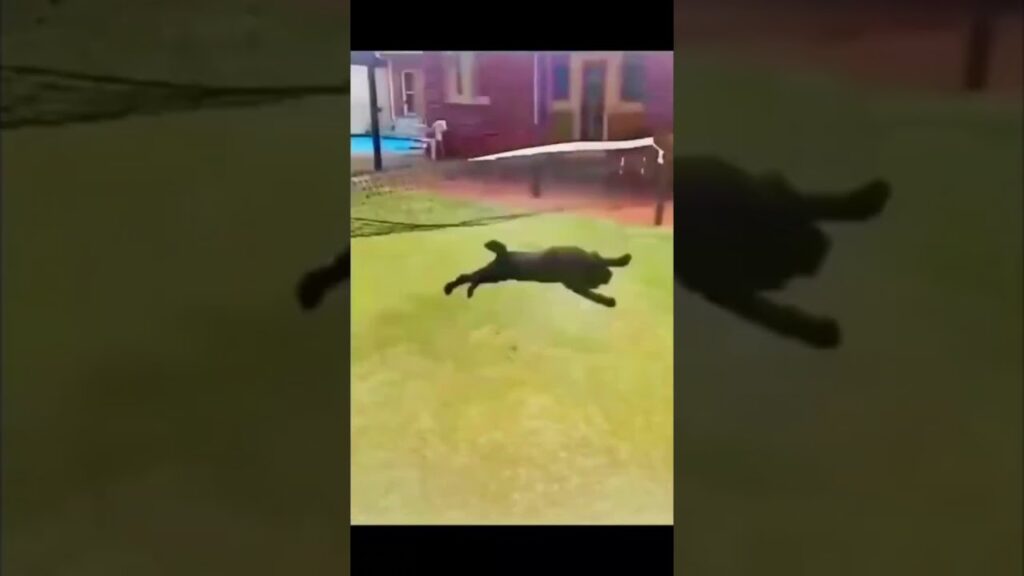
(435, 139)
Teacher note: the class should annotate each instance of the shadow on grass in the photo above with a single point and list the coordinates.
(34, 97)
(741, 235)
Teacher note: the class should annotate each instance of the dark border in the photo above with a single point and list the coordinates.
(511, 549)
(510, 25)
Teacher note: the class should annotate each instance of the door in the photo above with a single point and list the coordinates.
(410, 96)
(592, 102)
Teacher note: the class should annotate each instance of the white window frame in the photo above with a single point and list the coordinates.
(462, 92)
(408, 93)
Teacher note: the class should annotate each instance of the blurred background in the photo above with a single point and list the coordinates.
(899, 453)
(149, 260)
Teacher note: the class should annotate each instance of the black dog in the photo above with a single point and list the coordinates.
(572, 267)
(318, 281)
(741, 234)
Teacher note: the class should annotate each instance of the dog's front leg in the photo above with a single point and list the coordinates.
(459, 281)
(490, 274)
(494, 272)
(485, 275)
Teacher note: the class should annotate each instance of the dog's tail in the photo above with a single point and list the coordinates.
(497, 247)
(619, 262)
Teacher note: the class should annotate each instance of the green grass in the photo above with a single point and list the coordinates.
(242, 42)
(524, 404)
(388, 209)
(166, 408)
(901, 452)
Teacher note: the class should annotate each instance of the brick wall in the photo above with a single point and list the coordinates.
(506, 123)
(659, 102)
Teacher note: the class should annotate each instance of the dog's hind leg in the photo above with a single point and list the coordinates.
(781, 319)
(862, 203)
(595, 297)
(619, 262)
(498, 248)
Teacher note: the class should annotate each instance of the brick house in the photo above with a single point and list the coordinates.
(497, 101)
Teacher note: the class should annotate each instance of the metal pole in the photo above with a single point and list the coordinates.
(536, 171)
(978, 53)
(662, 183)
(374, 117)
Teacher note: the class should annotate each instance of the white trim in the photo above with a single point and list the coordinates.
(536, 102)
(464, 68)
(391, 91)
(406, 91)
(587, 146)
(585, 59)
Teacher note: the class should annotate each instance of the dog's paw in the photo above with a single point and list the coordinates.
(448, 289)
(309, 293)
(872, 197)
(826, 335)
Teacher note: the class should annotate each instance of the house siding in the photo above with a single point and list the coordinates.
(660, 102)
(508, 122)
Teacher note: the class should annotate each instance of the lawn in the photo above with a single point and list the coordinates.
(901, 452)
(524, 404)
(167, 409)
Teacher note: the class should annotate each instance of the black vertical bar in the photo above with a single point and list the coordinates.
(978, 53)
(659, 209)
(662, 183)
(371, 68)
(536, 170)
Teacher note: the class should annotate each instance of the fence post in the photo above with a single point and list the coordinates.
(662, 183)
(374, 116)
(536, 173)
(663, 180)
(978, 52)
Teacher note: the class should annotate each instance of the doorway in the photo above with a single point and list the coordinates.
(592, 103)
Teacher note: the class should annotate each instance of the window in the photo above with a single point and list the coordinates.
(461, 78)
(408, 93)
(560, 77)
(632, 77)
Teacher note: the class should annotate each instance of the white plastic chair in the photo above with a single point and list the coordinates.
(437, 139)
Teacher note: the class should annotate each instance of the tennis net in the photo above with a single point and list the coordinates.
(595, 177)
